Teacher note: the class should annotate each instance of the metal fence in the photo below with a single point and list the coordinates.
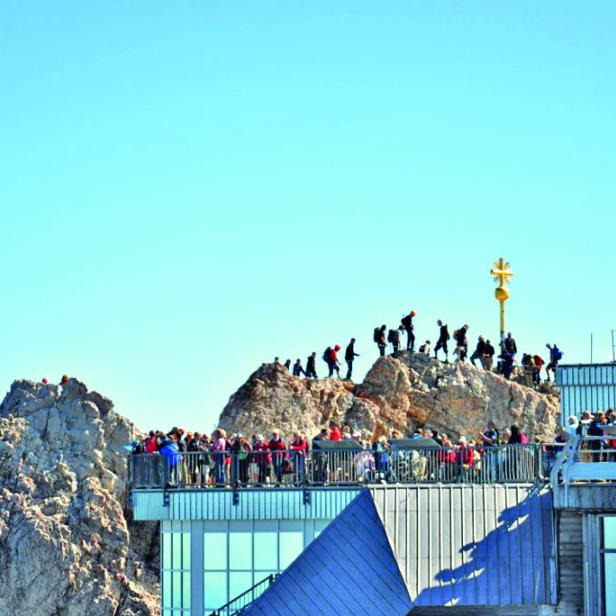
(344, 467)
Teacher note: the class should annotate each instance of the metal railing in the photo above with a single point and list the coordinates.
(237, 605)
(343, 467)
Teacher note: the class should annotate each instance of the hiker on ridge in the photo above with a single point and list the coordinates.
(311, 366)
(408, 327)
(349, 358)
(379, 338)
(442, 341)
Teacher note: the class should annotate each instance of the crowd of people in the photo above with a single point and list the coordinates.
(237, 460)
(528, 369)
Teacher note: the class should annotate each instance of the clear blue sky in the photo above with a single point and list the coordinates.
(191, 188)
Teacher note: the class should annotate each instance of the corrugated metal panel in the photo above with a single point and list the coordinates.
(472, 545)
(584, 387)
(349, 569)
(268, 504)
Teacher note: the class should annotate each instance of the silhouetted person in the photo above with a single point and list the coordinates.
(425, 348)
(287, 364)
(297, 368)
(479, 351)
(393, 337)
(407, 325)
(509, 345)
(379, 338)
(488, 356)
(311, 366)
(349, 358)
(441, 343)
(461, 343)
(555, 356)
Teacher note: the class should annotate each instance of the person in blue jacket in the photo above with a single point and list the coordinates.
(169, 448)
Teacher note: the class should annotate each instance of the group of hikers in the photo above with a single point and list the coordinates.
(528, 370)
(339, 454)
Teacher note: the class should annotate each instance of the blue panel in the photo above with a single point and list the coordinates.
(350, 569)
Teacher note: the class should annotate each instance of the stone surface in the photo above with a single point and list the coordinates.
(66, 547)
(398, 392)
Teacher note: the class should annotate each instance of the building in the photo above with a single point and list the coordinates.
(523, 531)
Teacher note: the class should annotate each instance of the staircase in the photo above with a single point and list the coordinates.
(237, 605)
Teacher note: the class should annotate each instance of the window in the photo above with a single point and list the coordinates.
(175, 569)
(608, 549)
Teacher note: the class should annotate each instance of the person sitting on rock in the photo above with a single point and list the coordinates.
(425, 348)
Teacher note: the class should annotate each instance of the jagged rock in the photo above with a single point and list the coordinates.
(65, 545)
(400, 392)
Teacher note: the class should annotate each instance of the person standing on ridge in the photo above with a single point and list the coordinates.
(441, 343)
(297, 369)
(479, 351)
(334, 364)
(408, 327)
(349, 358)
(379, 338)
(461, 343)
(393, 336)
(311, 366)
(510, 345)
(488, 356)
(555, 356)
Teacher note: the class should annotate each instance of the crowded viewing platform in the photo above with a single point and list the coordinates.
(339, 456)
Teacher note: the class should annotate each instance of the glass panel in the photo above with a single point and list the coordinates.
(609, 532)
(214, 551)
(240, 551)
(238, 583)
(291, 546)
(177, 589)
(186, 551)
(609, 573)
(214, 590)
(266, 550)
(166, 550)
(167, 591)
(186, 590)
(176, 561)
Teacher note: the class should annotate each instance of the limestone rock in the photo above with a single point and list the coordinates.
(65, 544)
(400, 392)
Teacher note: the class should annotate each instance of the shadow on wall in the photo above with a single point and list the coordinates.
(514, 565)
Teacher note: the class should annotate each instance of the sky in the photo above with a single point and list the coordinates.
(189, 189)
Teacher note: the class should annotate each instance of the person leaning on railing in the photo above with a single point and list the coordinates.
(299, 451)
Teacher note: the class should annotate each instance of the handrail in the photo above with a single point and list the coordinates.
(228, 608)
(344, 467)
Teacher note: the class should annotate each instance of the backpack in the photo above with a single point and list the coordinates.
(558, 354)
(391, 336)
(377, 334)
(406, 321)
(326, 355)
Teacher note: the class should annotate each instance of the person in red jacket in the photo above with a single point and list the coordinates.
(279, 454)
(299, 449)
(334, 364)
(464, 456)
(262, 458)
(335, 434)
(151, 444)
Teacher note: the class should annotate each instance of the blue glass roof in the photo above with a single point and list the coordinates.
(349, 568)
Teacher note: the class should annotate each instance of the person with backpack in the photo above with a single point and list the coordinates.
(311, 366)
(334, 364)
(349, 358)
(408, 327)
(379, 338)
(425, 348)
(538, 363)
(297, 369)
(441, 343)
(393, 337)
(555, 356)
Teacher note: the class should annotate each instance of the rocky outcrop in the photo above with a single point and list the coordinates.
(400, 392)
(66, 547)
